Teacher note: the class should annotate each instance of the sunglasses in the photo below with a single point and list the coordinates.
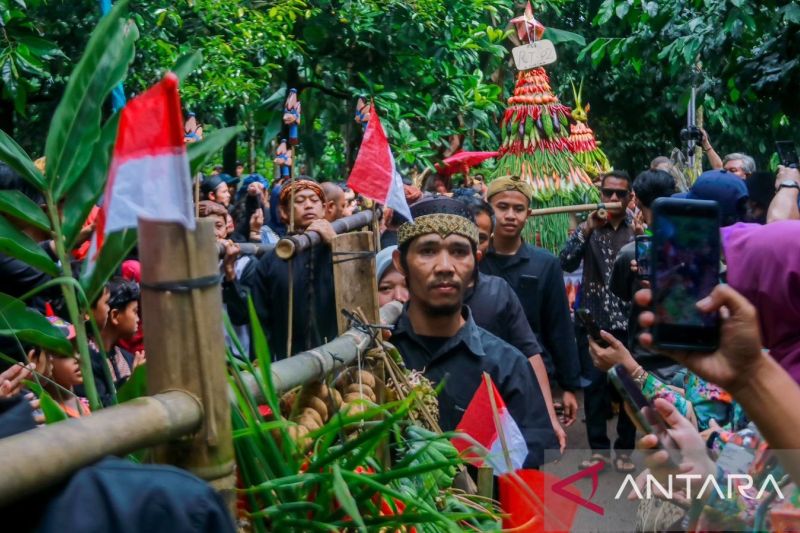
(608, 193)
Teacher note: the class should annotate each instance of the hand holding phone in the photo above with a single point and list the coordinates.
(787, 152)
(587, 320)
(642, 255)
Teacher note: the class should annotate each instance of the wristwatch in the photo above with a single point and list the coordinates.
(788, 184)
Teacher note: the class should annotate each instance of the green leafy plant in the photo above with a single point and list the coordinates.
(78, 153)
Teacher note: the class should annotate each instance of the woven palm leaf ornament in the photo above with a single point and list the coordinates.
(535, 131)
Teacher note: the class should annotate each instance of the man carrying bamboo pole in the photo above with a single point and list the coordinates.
(437, 253)
(536, 277)
(314, 304)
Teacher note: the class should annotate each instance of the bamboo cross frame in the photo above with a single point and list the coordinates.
(602, 209)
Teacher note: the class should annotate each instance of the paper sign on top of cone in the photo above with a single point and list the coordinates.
(537, 54)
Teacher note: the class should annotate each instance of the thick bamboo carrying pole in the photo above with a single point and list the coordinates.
(292, 245)
(308, 366)
(44, 456)
(581, 208)
(182, 313)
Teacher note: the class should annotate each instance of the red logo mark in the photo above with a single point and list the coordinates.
(593, 471)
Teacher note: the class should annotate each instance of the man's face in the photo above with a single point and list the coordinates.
(736, 166)
(334, 209)
(307, 208)
(349, 202)
(510, 212)
(615, 190)
(239, 171)
(220, 227)
(392, 287)
(439, 270)
(484, 223)
(222, 195)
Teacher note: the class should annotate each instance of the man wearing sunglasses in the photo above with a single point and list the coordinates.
(597, 242)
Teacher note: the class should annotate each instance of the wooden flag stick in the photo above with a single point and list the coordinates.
(611, 206)
(496, 416)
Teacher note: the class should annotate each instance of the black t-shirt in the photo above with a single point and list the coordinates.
(432, 344)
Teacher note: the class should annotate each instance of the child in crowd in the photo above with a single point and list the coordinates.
(62, 374)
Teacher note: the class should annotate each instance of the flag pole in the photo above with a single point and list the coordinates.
(497, 424)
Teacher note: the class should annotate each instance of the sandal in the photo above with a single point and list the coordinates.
(593, 460)
(623, 464)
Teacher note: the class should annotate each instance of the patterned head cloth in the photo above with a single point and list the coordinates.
(441, 215)
(510, 183)
(300, 185)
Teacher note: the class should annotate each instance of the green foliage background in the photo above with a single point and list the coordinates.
(439, 70)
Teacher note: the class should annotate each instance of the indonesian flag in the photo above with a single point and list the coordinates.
(375, 175)
(488, 422)
(149, 175)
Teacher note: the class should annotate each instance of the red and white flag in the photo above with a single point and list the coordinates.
(149, 175)
(375, 175)
(479, 423)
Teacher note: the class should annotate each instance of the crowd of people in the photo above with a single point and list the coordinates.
(478, 298)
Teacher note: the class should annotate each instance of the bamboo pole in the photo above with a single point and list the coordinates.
(42, 457)
(312, 365)
(248, 248)
(185, 342)
(292, 245)
(354, 276)
(581, 208)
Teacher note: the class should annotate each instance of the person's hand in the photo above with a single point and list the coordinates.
(712, 427)
(229, 260)
(595, 221)
(255, 188)
(11, 380)
(561, 435)
(324, 228)
(85, 234)
(705, 142)
(570, 408)
(638, 224)
(739, 354)
(138, 359)
(36, 405)
(694, 460)
(605, 358)
(256, 220)
(787, 173)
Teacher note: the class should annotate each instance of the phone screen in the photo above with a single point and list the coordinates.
(685, 254)
(643, 266)
(586, 318)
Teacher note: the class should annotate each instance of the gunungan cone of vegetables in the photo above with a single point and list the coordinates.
(582, 142)
(534, 131)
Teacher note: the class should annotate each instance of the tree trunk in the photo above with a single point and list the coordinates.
(229, 157)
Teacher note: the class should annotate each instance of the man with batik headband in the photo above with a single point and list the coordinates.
(436, 333)
(314, 303)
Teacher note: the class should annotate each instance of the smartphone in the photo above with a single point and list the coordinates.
(642, 256)
(586, 318)
(684, 256)
(787, 152)
(646, 417)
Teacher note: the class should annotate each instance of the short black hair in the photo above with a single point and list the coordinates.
(122, 292)
(478, 205)
(619, 174)
(653, 184)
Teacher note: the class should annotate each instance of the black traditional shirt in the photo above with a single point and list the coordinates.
(460, 362)
(496, 309)
(535, 276)
(598, 253)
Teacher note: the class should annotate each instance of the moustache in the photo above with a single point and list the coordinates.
(449, 282)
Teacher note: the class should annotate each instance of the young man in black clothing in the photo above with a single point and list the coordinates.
(536, 277)
(437, 334)
(314, 306)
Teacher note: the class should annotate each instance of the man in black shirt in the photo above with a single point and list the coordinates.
(437, 334)
(535, 276)
(314, 305)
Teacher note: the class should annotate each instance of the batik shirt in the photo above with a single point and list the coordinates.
(598, 253)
